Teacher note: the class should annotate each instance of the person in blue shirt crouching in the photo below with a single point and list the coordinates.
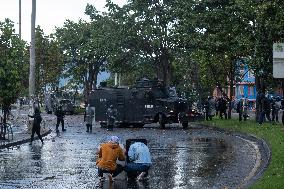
(139, 160)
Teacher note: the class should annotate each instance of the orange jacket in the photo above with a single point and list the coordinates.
(108, 154)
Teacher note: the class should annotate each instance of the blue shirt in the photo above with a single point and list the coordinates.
(139, 153)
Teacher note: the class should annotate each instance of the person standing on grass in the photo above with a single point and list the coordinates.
(36, 125)
(282, 105)
(265, 109)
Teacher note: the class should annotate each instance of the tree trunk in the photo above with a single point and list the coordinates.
(164, 68)
(5, 115)
(231, 84)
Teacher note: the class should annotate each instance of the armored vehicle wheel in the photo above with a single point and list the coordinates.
(103, 125)
(140, 125)
(162, 121)
(184, 125)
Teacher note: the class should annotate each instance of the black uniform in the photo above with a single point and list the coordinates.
(60, 118)
(275, 110)
(111, 116)
(222, 108)
(36, 125)
(282, 105)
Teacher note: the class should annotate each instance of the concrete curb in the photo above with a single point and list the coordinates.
(22, 141)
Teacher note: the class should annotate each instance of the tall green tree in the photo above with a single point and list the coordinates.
(11, 50)
(49, 59)
(145, 35)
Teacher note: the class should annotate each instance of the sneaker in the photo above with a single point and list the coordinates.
(87, 131)
(63, 129)
(110, 178)
(141, 176)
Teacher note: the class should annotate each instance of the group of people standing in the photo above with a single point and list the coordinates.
(90, 115)
(215, 107)
(267, 107)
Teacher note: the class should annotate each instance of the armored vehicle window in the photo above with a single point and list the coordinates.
(173, 92)
(160, 93)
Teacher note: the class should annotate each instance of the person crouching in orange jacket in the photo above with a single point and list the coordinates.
(108, 154)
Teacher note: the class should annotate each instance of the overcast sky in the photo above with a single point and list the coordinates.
(49, 13)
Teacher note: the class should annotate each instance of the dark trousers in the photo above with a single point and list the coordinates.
(89, 127)
(36, 129)
(208, 116)
(283, 117)
(110, 127)
(223, 112)
(136, 168)
(275, 115)
(262, 116)
(119, 169)
(240, 116)
(60, 120)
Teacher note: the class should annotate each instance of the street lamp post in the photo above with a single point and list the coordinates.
(20, 19)
(32, 52)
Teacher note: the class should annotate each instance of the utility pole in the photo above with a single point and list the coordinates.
(32, 52)
(20, 19)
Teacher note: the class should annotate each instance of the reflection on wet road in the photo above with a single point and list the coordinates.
(181, 159)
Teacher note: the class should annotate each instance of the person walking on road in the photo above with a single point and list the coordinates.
(140, 160)
(111, 116)
(60, 118)
(108, 154)
(36, 125)
(89, 117)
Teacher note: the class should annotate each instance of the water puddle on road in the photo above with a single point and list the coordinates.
(193, 163)
(188, 162)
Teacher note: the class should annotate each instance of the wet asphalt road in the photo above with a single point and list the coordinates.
(192, 158)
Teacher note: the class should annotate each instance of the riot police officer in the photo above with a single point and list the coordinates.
(60, 118)
(89, 116)
(111, 116)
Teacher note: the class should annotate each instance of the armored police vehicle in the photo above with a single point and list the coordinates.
(148, 101)
(54, 99)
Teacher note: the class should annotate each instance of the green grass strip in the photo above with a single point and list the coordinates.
(273, 177)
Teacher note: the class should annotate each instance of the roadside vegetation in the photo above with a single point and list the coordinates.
(273, 177)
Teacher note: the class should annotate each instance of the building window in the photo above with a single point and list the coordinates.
(251, 90)
(250, 74)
